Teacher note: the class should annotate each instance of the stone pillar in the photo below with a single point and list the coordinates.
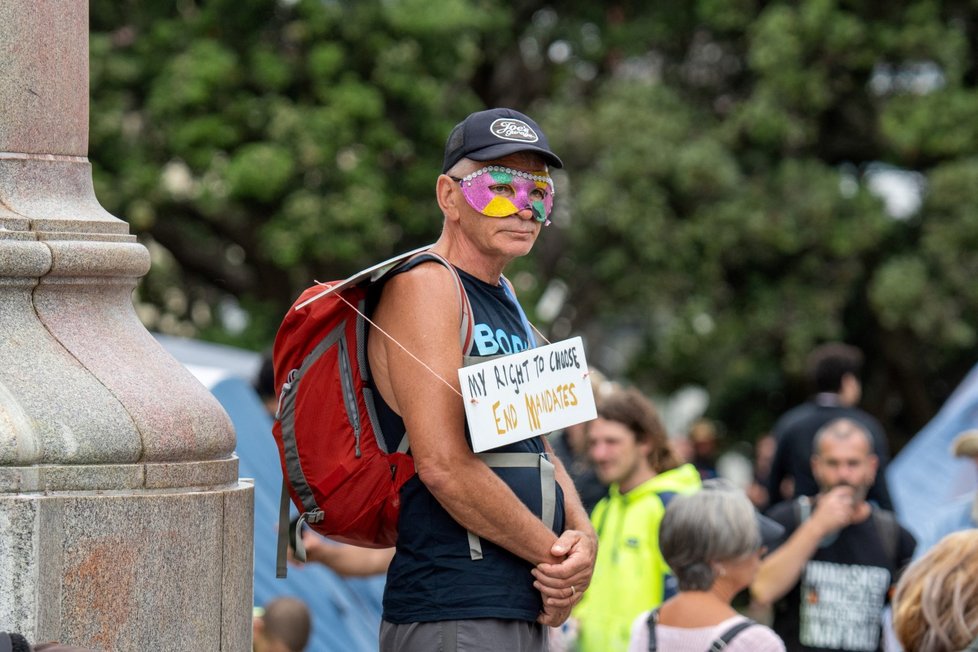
(123, 525)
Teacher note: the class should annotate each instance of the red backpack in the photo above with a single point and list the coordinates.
(336, 465)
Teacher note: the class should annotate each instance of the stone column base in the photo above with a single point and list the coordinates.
(128, 570)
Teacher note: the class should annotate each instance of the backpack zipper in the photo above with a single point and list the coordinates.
(349, 397)
(286, 386)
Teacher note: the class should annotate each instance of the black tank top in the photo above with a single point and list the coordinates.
(432, 576)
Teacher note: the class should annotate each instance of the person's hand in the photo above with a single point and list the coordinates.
(835, 509)
(562, 584)
(313, 544)
(553, 616)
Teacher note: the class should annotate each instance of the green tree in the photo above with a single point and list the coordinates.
(717, 216)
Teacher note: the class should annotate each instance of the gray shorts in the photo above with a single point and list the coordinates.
(481, 634)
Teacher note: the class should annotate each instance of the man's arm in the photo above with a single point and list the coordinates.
(419, 310)
(781, 569)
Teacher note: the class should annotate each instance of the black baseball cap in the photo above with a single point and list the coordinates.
(494, 133)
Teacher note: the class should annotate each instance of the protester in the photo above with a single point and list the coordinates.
(832, 575)
(962, 512)
(834, 371)
(631, 451)
(713, 540)
(469, 534)
(935, 607)
(283, 626)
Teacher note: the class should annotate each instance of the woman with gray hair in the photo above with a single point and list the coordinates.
(713, 541)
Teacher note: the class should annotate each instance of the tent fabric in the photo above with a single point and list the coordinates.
(345, 611)
(924, 477)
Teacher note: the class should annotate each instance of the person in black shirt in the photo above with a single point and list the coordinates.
(834, 369)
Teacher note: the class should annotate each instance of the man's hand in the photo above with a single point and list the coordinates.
(553, 616)
(834, 510)
(562, 584)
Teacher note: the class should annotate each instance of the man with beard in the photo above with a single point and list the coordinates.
(831, 576)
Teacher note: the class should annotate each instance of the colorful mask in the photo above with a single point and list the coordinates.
(496, 191)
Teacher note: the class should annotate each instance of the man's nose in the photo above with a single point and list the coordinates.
(525, 213)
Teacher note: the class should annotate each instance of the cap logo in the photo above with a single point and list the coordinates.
(513, 129)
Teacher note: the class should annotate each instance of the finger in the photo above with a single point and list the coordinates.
(562, 575)
(581, 580)
(565, 542)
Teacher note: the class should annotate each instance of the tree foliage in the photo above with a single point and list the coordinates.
(719, 214)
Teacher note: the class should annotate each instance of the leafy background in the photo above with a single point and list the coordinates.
(722, 209)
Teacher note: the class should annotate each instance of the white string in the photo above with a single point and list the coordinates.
(391, 338)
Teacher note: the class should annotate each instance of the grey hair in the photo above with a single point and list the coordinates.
(841, 429)
(715, 524)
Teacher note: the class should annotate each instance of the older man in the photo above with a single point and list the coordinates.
(832, 575)
(476, 568)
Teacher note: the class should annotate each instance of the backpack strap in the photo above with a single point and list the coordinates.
(548, 487)
(724, 639)
(888, 531)
(466, 327)
(652, 621)
(718, 644)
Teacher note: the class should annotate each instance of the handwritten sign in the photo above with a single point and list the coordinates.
(527, 394)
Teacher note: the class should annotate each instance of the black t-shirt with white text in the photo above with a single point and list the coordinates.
(837, 605)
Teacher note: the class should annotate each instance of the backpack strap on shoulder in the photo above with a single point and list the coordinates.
(651, 622)
(724, 639)
(466, 334)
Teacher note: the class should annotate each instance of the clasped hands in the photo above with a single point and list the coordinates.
(563, 583)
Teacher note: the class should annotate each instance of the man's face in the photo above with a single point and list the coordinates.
(845, 461)
(617, 456)
(511, 235)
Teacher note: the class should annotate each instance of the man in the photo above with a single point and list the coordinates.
(962, 512)
(832, 574)
(834, 370)
(631, 452)
(475, 565)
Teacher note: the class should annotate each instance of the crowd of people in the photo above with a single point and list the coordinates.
(649, 548)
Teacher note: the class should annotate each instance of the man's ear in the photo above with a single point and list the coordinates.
(446, 192)
(874, 464)
(815, 466)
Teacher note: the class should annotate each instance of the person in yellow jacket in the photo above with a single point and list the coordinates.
(631, 451)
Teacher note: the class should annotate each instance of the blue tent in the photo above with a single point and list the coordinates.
(346, 612)
(924, 477)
